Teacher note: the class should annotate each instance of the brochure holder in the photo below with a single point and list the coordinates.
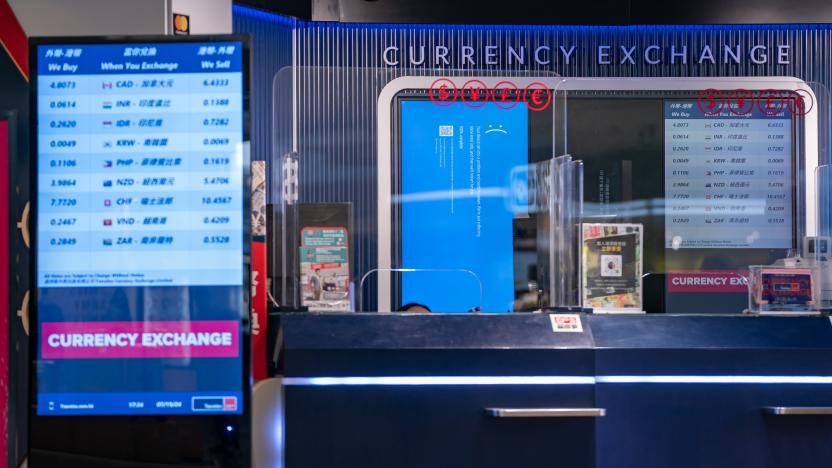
(819, 248)
(564, 207)
(290, 271)
(788, 287)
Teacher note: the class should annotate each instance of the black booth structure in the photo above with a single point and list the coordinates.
(707, 387)
(512, 368)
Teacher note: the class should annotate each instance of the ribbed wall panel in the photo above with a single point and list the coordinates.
(271, 44)
(340, 74)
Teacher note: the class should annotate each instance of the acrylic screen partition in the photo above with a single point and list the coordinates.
(456, 216)
(713, 174)
(454, 200)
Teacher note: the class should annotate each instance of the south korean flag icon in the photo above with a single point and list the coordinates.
(611, 265)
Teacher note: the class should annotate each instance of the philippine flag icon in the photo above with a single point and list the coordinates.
(229, 403)
(108, 163)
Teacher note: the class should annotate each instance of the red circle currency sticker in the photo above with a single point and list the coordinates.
(740, 101)
(800, 102)
(537, 96)
(474, 93)
(710, 101)
(442, 92)
(505, 95)
(770, 102)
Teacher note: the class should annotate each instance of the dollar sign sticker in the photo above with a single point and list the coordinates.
(710, 101)
(443, 92)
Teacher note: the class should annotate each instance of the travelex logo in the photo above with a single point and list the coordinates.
(505, 94)
(156, 339)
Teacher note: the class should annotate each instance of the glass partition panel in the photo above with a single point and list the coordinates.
(426, 180)
(688, 182)
(611, 194)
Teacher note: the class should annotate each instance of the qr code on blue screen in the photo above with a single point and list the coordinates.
(446, 130)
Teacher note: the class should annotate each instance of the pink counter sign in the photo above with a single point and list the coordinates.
(706, 281)
(163, 339)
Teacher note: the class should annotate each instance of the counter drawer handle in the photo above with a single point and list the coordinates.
(799, 410)
(546, 412)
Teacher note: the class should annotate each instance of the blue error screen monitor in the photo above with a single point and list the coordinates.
(140, 234)
(457, 208)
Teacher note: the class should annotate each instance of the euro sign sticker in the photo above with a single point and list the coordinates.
(800, 102)
(474, 93)
(505, 95)
(710, 101)
(537, 96)
(770, 102)
(443, 92)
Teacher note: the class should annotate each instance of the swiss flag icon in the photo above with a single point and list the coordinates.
(229, 403)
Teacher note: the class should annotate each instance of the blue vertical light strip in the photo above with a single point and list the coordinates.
(399, 381)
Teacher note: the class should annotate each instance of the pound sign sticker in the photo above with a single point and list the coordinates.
(537, 96)
(443, 92)
(505, 95)
(474, 93)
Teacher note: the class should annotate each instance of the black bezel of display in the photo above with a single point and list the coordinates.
(172, 440)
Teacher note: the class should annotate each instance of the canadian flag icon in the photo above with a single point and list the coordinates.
(229, 403)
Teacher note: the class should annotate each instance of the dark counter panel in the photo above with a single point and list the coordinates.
(681, 391)
(714, 426)
(711, 345)
(420, 331)
(709, 331)
(430, 344)
(436, 427)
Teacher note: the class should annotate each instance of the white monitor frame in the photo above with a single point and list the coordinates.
(389, 93)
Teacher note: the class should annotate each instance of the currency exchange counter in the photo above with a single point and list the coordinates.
(433, 390)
